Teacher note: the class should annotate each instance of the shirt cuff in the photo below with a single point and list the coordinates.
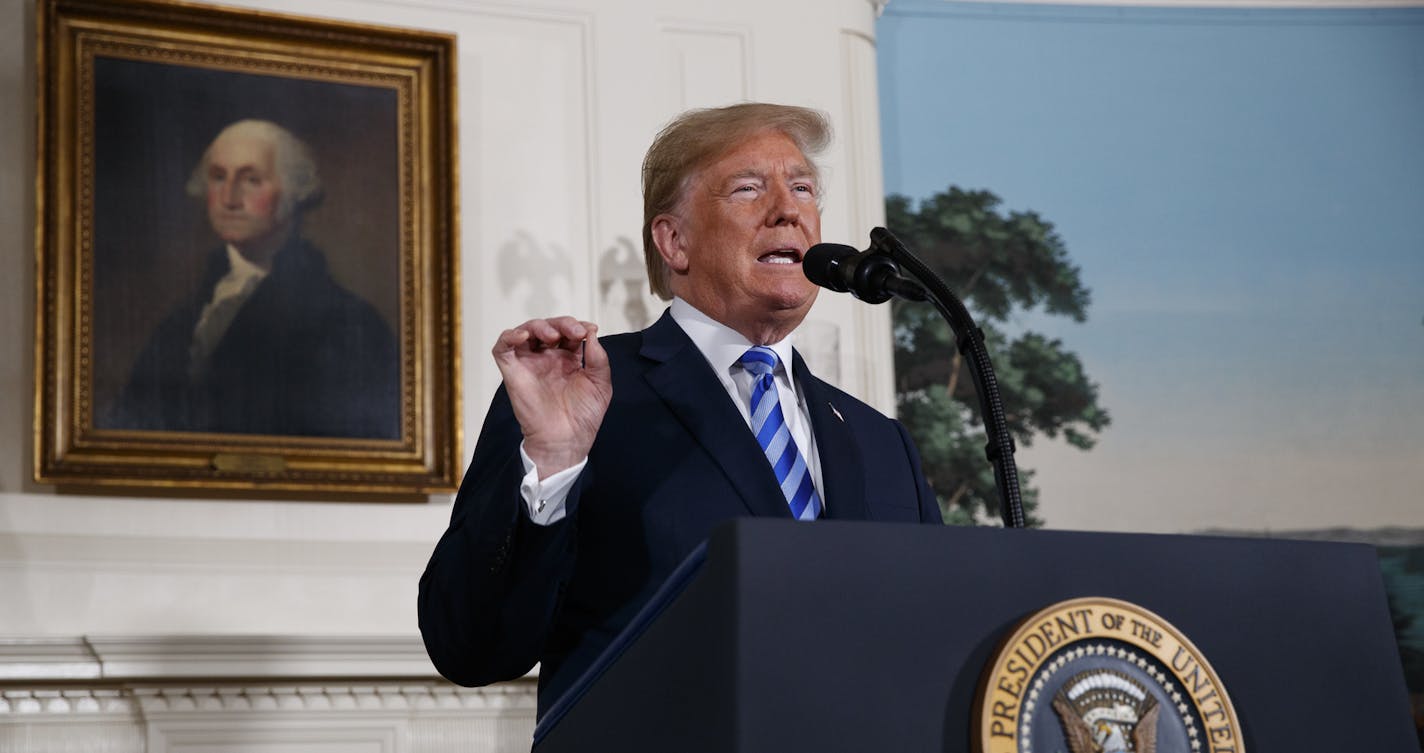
(546, 501)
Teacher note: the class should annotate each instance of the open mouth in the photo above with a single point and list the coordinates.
(781, 256)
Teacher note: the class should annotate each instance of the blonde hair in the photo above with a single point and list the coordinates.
(697, 137)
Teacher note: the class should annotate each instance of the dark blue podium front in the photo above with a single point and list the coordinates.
(838, 636)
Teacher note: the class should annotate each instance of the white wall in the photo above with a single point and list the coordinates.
(558, 99)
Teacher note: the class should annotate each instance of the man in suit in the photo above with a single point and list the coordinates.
(602, 464)
(269, 342)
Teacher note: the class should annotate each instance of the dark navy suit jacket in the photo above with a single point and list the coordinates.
(303, 357)
(672, 460)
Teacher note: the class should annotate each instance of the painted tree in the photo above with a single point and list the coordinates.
(1403, 571)
(998, 263)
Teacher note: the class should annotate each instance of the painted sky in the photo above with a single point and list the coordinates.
(1244, 192)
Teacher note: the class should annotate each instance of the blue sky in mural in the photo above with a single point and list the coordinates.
(1244, 192)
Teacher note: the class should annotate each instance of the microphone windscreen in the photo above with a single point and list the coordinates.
(821, 259)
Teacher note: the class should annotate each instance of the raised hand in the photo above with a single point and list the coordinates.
(559, 384)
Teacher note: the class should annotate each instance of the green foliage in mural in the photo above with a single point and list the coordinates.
(1000, 264)
(1403, 570)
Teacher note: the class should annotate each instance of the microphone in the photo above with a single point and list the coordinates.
(872, 277)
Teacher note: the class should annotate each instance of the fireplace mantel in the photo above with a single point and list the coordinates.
(248, 693)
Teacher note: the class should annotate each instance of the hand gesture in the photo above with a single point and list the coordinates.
(559, 384)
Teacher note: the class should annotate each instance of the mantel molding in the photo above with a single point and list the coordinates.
(401, 699)
(178, 690)
(91, 703)
(162, 658)
(182, 701)
(47, 659)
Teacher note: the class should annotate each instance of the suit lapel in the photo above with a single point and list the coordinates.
(842, 472)
(686, 384)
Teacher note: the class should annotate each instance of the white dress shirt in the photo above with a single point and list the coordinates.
(229, 294)
(722, 347)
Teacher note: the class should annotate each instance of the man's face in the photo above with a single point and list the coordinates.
(244, 194)
(740, 236)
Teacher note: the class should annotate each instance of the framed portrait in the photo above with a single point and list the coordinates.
(247, 262)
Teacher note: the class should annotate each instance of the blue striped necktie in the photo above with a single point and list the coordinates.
(772, 434)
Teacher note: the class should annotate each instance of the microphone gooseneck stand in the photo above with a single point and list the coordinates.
(970, 340)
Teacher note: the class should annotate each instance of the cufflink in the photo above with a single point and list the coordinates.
(540, 507)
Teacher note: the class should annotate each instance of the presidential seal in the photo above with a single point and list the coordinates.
(1100, 675)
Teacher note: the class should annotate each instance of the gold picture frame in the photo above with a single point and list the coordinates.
(180, 147)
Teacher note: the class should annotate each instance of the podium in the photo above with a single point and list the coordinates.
(837, 636)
